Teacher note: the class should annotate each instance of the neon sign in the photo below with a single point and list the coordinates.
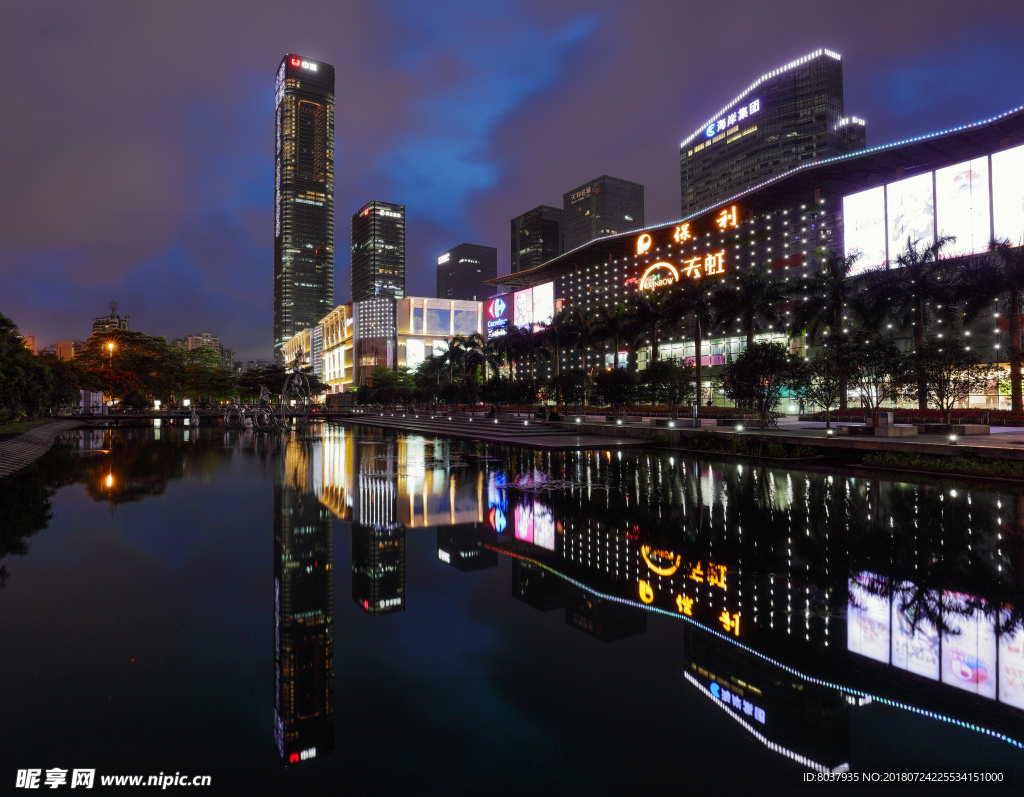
(654, 277)
(735, 117)
(496, 309)
(298, 62)
(443, 258)
(646, 592)
(643, 244)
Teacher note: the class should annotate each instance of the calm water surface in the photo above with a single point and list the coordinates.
(356, 609)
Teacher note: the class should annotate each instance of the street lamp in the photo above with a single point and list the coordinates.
(110, 348)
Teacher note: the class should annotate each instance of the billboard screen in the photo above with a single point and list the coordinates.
(543, 303)
(522, 308)
(867, 618)
(910, 207)
(1011, 667)
(1008, 194)
(864, 227)
(961, 206)
(969, 647)
(415, 352)
(915, 640)
(496, 313)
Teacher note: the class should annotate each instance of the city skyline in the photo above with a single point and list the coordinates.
(465, 128)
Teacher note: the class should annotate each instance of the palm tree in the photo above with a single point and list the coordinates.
(653, 317)
(695, 304)
(752, 298)
(982, 281)
(914, 293)
(613, 324)
(833, 293)
(570, 328)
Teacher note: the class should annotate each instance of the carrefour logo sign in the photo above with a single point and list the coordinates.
(496, 309)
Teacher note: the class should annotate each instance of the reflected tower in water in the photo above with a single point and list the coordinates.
(378, 539)
(303, 609)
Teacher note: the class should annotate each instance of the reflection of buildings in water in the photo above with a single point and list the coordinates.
(603, 619)
(378, 539)
(805, 722)
(534, 585)
(462, 547)
(303, 612)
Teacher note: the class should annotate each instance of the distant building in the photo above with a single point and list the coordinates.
(378, 252)
(113, 321)
(787, 118)
(338, 343)
(250, 365)
(536, 237)
(461, 272)
(29, 342)
(64, 350)
(604, 206)
(303, 196)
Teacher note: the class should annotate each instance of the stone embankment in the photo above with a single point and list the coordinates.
(29, 446)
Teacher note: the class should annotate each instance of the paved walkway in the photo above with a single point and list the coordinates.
(26, 448)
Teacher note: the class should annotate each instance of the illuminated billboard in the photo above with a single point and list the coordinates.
(543, 303)
(522, 308)
(961, 206)
(867, 617)
(969, 647)
(524, 520)
(864, 226)
(910, 207)
(1011, 667)
(1008, 194)
(915, 640)
(496, 313)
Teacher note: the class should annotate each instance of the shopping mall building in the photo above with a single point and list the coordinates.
(966, 182)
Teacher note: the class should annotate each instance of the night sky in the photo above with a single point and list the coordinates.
(137, 138)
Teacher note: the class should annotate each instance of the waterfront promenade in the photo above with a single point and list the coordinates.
(26, 448)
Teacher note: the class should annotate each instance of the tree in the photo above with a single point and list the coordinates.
(833, 294)
(997, 278)
(823, 383)
(670, 382)
(694, 303)
(613, 325)
(878, 370)
(751, 300)
(952, 373)
(758, 377)
(916, 293)
(616, 388)
(66, 379)
(24, 379)
(653, 317)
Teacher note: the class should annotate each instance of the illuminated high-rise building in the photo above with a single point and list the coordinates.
(786, 118)
(461, 272)
(303, 197)
(603, 206)
(536, 237)
(378, 251)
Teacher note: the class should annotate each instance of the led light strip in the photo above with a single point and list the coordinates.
(809, 678)
(775, 748)
(759, 81)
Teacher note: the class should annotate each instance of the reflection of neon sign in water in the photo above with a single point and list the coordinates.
(497, 520)
(660, 562)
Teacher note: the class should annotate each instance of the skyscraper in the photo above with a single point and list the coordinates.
(303, 197)
(786, 118)
(461, 272)
(378, 252)
(604, 206)
(536, 237)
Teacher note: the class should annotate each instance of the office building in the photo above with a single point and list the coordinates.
(461, 272)
(967, 182)
(605, 206)
(378, 252)
(111, 322)
(786, 118)
(303, 197)
(536, 237)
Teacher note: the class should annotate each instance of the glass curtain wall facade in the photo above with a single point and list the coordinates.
(303, 197)
(536, 237)
(788, 117)
(604, 206)
(378, 251)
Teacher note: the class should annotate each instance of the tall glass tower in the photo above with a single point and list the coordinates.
(303, 197)
(378, 251)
